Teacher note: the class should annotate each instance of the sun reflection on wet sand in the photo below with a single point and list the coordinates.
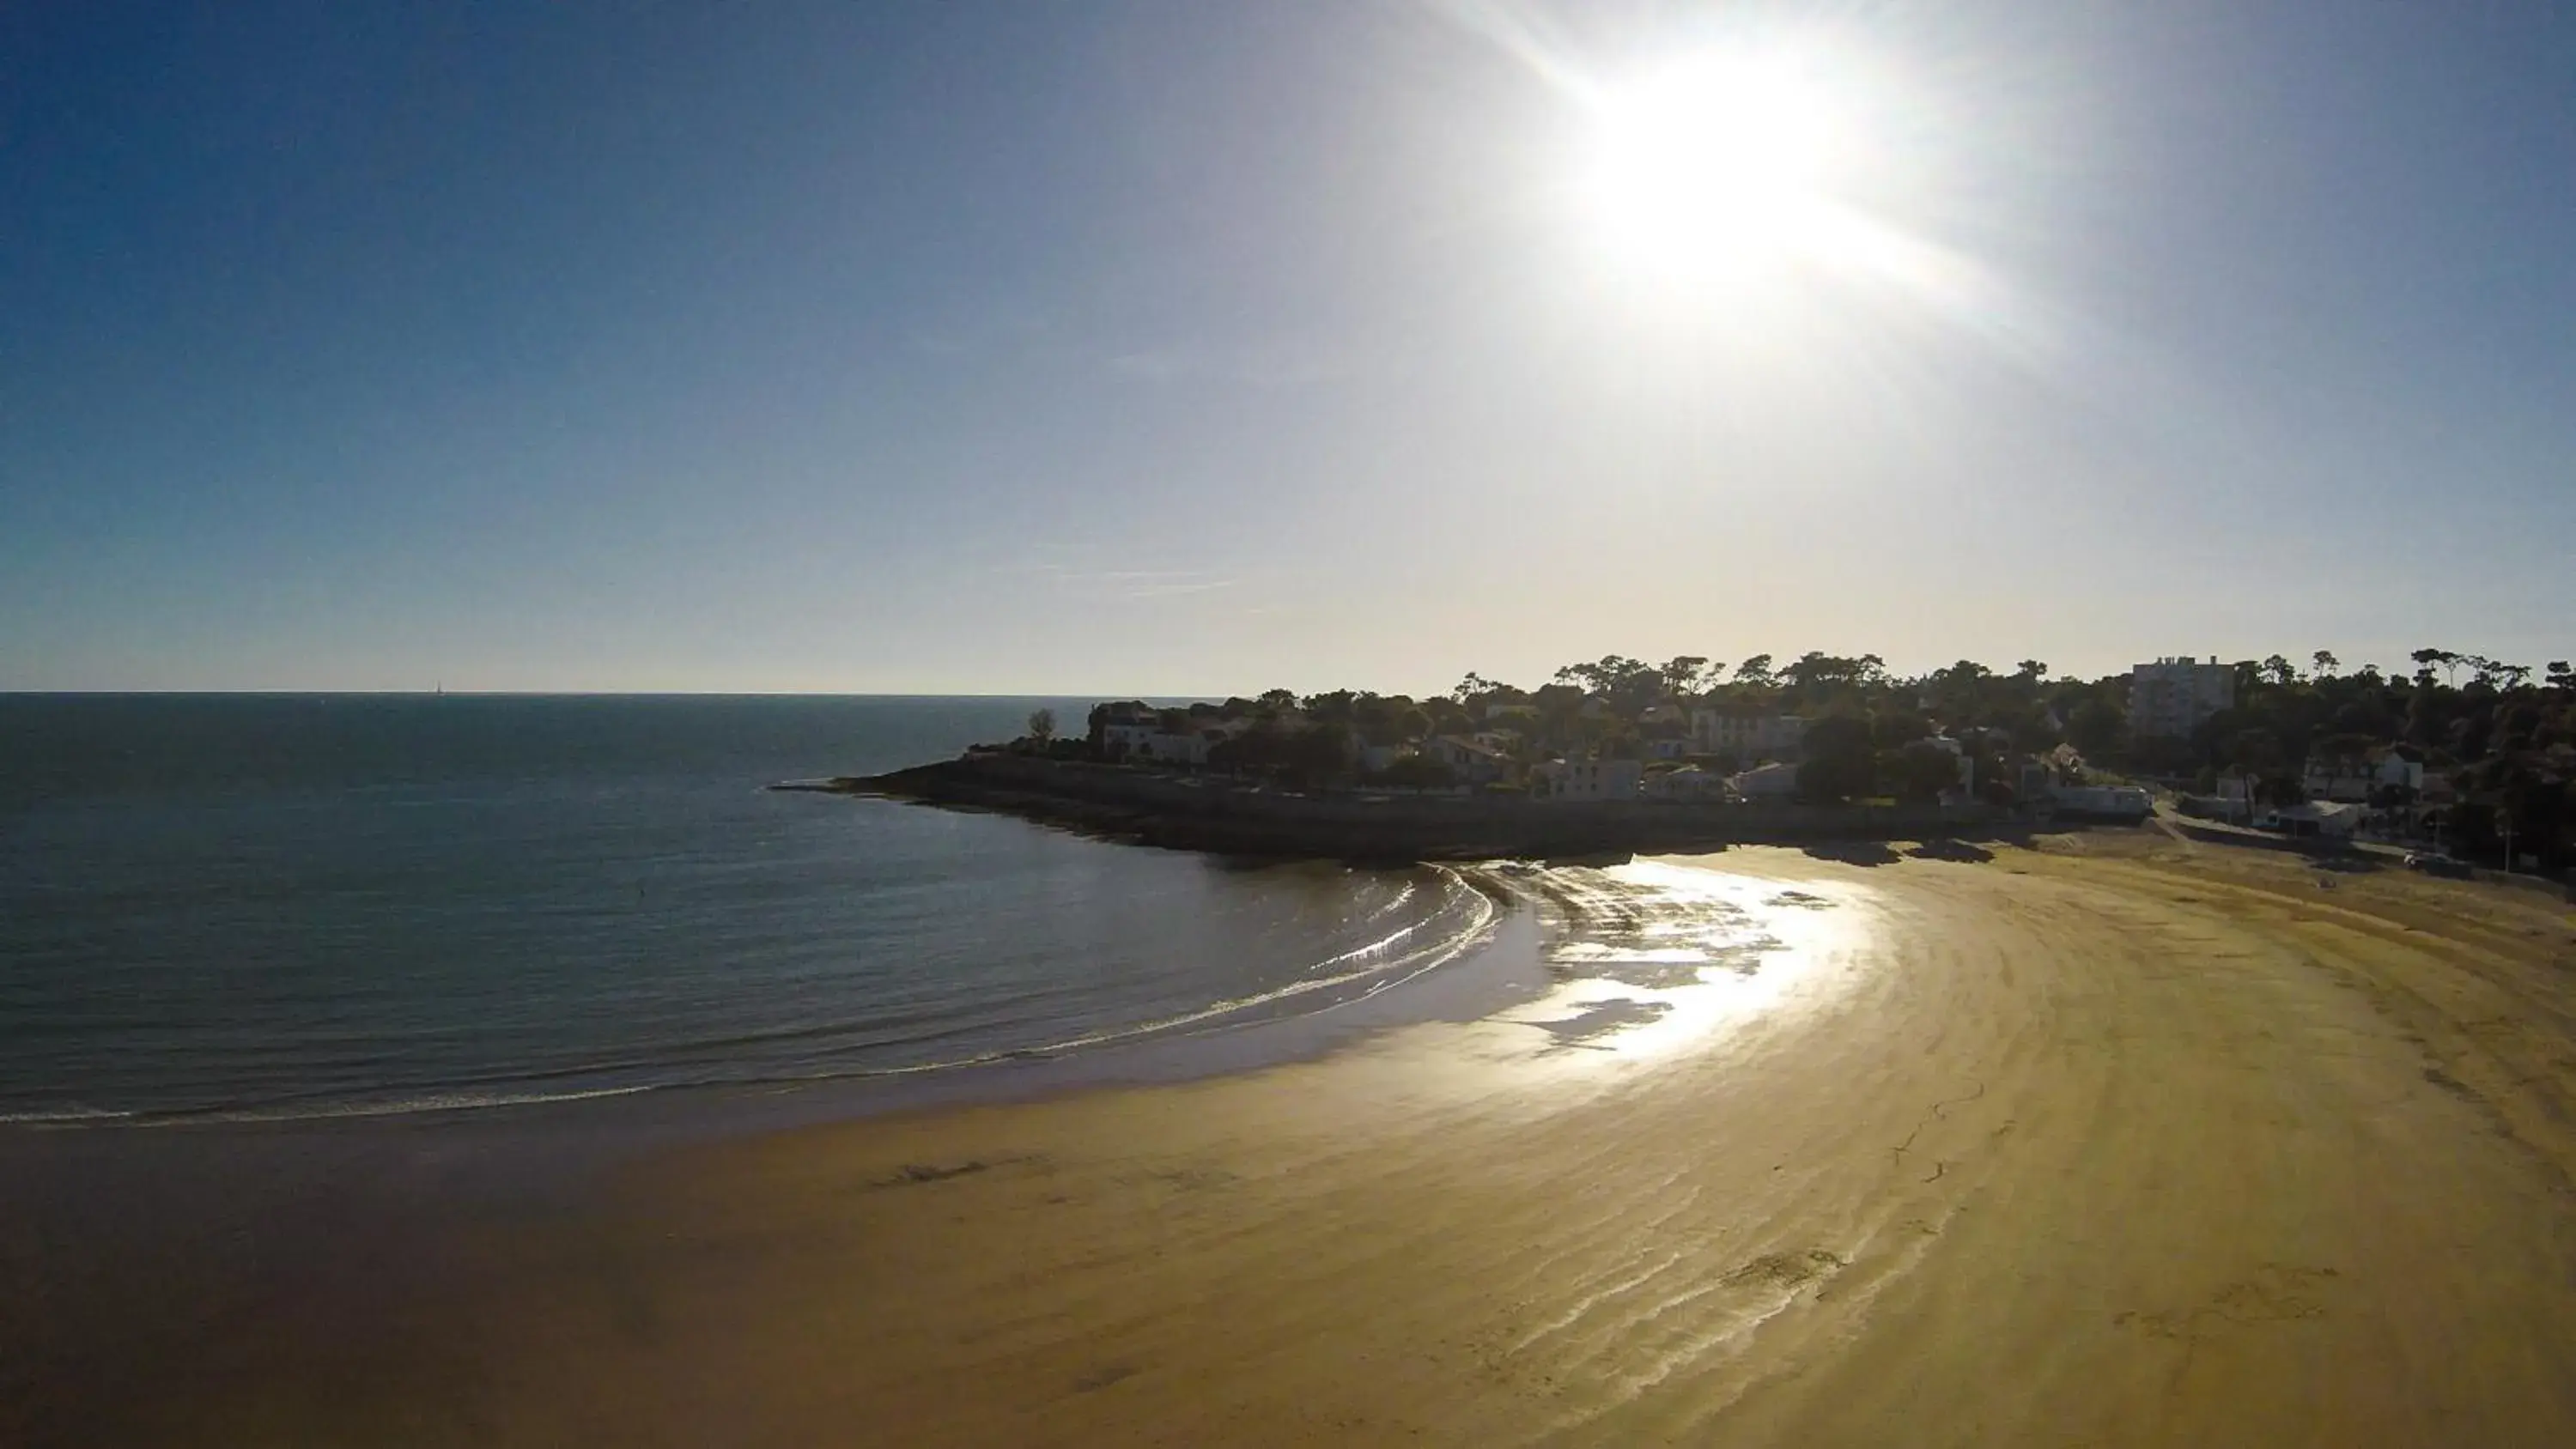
(1657, 956)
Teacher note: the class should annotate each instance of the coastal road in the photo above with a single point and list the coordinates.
(2102, 1142)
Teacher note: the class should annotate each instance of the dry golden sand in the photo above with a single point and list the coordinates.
(2116, 1141)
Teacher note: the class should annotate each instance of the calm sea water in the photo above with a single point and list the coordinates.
(308, 905)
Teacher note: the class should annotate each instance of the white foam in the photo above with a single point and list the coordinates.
(62, 1117)
(1394, 958)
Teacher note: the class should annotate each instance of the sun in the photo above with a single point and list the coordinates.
(1709, 167)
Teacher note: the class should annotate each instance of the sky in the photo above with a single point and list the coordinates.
(1175, 348)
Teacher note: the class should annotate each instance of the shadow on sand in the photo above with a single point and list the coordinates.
(1853, 852)
(1595, 1019)
(1950, 849)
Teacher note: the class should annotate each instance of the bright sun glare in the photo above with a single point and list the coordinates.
(1708, 166)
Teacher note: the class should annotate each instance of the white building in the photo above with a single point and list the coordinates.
(2169, 698)
(1140, 737)
(1767, 782)
(1748, 736)
(2324, 819)
(1470, 760)
(1121, 735)
(1584, 780)
(2356, 780)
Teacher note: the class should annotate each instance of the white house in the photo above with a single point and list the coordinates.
(1138, 735)
(1470, 760)
(1122, 734)
(1748, 736)
(2355, 780)
(1585, 780)
(1767, 782)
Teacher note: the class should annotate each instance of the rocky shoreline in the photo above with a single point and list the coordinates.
(1218, 815)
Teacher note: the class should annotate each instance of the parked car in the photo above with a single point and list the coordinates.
(2437, 864)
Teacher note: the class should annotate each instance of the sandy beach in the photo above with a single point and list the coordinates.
(2114, 1140)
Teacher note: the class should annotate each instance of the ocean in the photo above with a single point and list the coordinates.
(282, 906)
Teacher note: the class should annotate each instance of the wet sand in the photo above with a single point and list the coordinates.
(2115, 1141)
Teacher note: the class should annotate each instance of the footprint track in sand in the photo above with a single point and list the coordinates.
(2273, 1293)
(1939, 1112)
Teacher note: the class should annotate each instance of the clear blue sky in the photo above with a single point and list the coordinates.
(1192, 347)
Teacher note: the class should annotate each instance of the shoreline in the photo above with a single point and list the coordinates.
(1220, 816)
(2156, 1089)
(1492, 964)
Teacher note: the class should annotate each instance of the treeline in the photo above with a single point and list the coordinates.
(2503, 734)
(1966, 695)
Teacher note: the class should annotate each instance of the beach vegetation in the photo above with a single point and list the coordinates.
(1919, 771)
(1840, 761)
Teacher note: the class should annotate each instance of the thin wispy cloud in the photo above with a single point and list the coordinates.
(1167, 588)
